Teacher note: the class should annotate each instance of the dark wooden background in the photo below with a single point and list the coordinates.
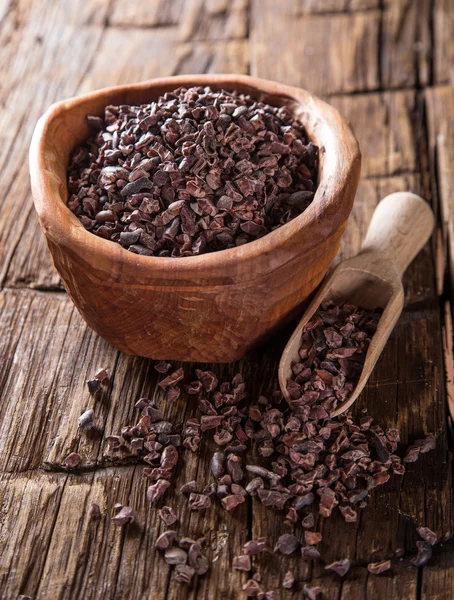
(388, 65)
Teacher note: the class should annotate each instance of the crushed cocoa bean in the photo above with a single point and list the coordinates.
(194, 172)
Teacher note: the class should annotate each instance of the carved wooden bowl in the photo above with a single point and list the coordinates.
(212, 307)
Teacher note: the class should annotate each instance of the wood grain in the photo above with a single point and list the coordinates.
(406, 43)
(348, 43)
(52, 50)
(384, 124)
(154, 13)
(41, 42)
(443, 19)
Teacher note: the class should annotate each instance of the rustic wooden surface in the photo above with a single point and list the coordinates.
(388, 66)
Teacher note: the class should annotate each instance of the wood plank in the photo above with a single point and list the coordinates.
(440, 104)
(29, 508)
(58, 41)
(443, 19)
(157, 54)
(401, 583)
(438, 575)
(153, 13)
(385, 128)
(405, 43)
(49, 353)
(326, 55)
(331, 6)
(214, 20)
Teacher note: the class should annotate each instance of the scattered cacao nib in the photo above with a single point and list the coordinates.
(73, 460)
(288, 581)
(427, 535)
(424, 554)
(86, 419)
(189, 487)
(312, 593)
(186, 543)
(94, 386)
(309, 463)
(254, 547)
(175, 556)
(184, 573)
(197, 560)
(287, 544)
(165, 540)
(412, 454)
(196, 171)
(312, 538)
(162, 367)
(310, 553)
(173, 393)
(157, 490)
(167, 515)
(340, 567)
(427, 444)
(379, 567)
(199, 501)
(169, 457)
(217, 464)
(125, 516)
(309, 521)
(207, 379)
(253, 589)
(232, 501)
(242, 563)
(94, 514)
(350, 515)
(210, 422)
(102, 375)
(172, 379)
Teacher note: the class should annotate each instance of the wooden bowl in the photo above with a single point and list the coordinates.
(213, 307)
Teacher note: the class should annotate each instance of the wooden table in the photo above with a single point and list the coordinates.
(388, 65)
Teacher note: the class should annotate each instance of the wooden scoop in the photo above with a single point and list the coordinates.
(400, 226)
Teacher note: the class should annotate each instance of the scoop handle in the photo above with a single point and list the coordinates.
(400, 226)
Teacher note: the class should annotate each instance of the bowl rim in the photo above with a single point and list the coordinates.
(339, 163)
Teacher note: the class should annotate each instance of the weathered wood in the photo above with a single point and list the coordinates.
(443, 20)
(49, 354)
(405, 43)
(46, 48)
(51, 50)
(30, 505)
(285, 45)
(383, 123)
(214, 19)
(154, 13)
(440, 105)
(438, 576)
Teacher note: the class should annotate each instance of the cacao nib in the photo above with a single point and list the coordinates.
(196, 171)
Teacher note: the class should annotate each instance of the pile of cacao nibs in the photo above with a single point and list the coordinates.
(333, 348)
(196, 171)
(309, 463)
